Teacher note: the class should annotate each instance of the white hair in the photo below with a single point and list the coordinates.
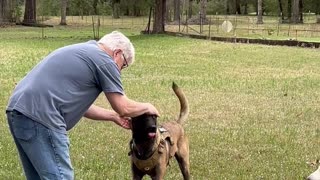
(116, 40)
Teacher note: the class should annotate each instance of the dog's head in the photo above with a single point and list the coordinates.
(144, 128)
(144, 132)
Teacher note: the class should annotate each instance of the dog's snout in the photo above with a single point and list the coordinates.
(153, 128)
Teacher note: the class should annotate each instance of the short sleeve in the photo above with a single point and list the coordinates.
(109, 78)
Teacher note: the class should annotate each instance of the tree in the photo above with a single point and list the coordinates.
(203, 9)
(318, 11)
(159, 19)
(245, 4)
(260, 21)
(297, 12)
(136, 8)
(7, 11)
(227, 7)
(3, 11)
(281, 13)
(190, 9)
(176, 10)
(116, 9)
(94, 5)
(289, 9)
(30, 12)
(64, 4)
(238, 7)
(313, 6)
(168, 11)
(301, 11)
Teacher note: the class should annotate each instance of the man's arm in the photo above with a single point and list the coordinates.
(128, 108)
(98, 113)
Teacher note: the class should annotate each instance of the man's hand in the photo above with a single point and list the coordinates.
(101, 114)
(126, 107)
(124, 122)
(152, 110)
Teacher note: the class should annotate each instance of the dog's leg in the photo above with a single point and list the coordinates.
(182, 156)
(183, 162)
(160, 169)
(136, 176)
(136, 173)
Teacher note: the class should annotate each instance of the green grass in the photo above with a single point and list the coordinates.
(254, 110)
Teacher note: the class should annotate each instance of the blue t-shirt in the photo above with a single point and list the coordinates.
(59, 90)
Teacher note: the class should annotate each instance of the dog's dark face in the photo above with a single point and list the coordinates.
(144, 130)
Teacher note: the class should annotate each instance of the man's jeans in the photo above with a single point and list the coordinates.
(44, 153)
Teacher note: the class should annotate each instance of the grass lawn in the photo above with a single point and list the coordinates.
(254, 109)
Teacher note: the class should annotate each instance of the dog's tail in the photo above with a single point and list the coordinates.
(184, 106)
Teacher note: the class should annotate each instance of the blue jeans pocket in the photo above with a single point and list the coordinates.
(24, 128)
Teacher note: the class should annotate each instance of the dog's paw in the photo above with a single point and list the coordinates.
(314, 163)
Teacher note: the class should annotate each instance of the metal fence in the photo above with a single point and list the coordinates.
(103, 21)
(247, 27)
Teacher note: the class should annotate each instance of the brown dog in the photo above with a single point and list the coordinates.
(152, 147)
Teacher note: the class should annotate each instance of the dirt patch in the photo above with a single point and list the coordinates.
(293, 43)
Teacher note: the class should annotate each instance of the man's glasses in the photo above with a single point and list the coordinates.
(125, 65)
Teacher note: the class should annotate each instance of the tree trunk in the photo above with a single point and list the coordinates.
(238, 7)
(116, 9)
(136, 11)
(295, 12)
(317, 11)
(7, 11)
(227, 7)
(94, 5)
(176, 10)
(301, 11)
(203, 9)
(30, 12)
(3, 11)
(159, 20)
(245, 12)
(190, 9)
(281, 10)
(168, 12)
(289, 9)
(260, 19)
(64, 4)
(256, 6)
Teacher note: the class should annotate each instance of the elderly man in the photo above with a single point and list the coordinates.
(61, 89)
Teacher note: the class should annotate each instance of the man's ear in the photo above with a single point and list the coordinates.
(116, 51)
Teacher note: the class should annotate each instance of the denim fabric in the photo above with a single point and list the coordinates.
(44, 153)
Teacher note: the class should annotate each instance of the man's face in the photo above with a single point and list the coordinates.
(120, 59)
